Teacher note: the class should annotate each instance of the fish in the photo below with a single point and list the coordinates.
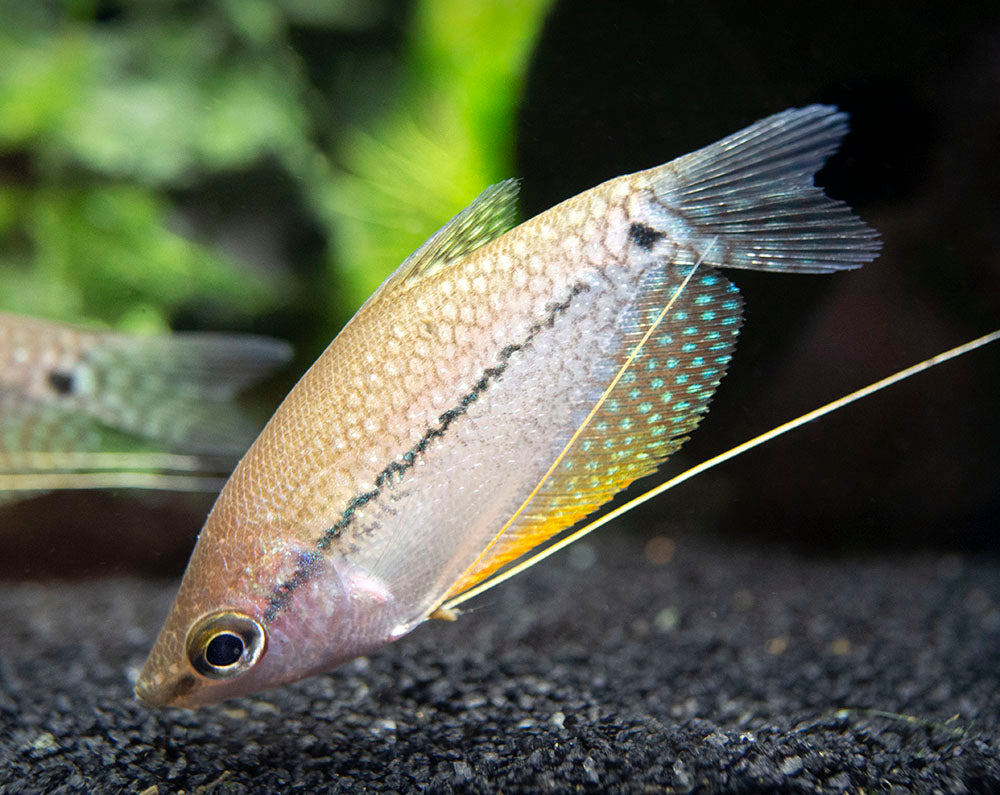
(502, 384)
(95, 408)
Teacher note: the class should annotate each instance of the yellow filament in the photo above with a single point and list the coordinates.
(920, 367)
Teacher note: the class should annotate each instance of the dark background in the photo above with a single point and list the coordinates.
(614, 90)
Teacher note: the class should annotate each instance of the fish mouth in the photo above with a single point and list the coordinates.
(146, 696)
(153, 694)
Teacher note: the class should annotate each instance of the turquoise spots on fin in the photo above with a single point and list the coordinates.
(645, 416)
(669, 383)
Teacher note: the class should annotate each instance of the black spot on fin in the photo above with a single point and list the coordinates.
(61, 382)
(643, 236)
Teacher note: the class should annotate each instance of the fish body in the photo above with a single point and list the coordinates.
(499, 386)
(68, 393)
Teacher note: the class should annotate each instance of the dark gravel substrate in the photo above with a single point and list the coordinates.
(727, 669)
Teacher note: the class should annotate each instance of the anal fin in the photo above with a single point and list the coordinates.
(658, 400)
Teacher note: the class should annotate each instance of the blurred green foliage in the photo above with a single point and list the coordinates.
(121, 125)
(447, 136)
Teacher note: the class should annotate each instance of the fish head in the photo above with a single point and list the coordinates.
(258, 610)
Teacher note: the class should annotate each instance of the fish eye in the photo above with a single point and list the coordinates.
(225, 644)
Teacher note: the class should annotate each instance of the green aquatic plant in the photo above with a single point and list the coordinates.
(113, 119)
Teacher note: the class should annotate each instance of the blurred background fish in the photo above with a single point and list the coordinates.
(99, 409)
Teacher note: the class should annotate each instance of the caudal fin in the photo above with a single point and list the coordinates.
(753, 191)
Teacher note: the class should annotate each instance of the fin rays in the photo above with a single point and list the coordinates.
(756, 187)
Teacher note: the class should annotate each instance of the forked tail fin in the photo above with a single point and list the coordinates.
(176, 390)
(117, 410)
(754, 191)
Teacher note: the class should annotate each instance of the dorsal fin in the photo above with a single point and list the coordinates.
(491, 214)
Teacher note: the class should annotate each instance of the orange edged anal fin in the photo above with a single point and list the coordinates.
(646, 416)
